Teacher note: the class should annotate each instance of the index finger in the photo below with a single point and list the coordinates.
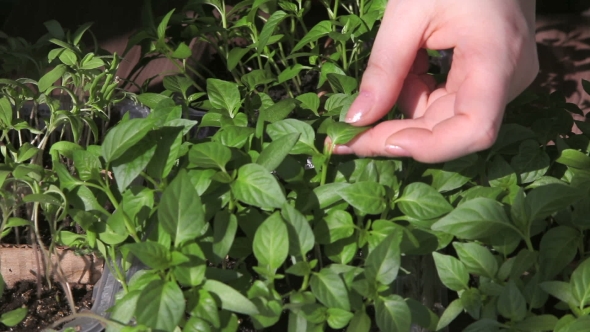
(398, 40)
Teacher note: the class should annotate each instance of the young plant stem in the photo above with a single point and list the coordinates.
(115, 267)
(182, 69)
(150, 180)
(328, 154)
(361, 8)
(318, 253)
(99, 318)
(342, 50)
(305, 283)
(131, 229)
(335, 10)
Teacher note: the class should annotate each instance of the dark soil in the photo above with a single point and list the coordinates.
(43, 311)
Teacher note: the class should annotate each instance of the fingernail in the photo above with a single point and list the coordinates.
(361, 105)
(396, 151)
(342, 149)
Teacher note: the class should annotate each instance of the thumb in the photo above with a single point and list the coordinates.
(398, 40)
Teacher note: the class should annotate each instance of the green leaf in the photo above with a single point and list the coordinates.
(87, 165)
(475, 219)
(392, 314)
(151, 100)
(5, 113)
(161, 305)
(320, 30)
(574, 158)
(51, 77)
(225, 227)
(278, 111)
(477, 259)
(223, 95)
(422, 202)
(271, 242)
(301, 237)
(501, 174)
(342, 251)
(300, 269)
(306, 143)
(511, 133)
(383, 262)
(257, 77)
(454, 174)
(178, 84)
(557, 249)
(342, 133)
(209, 155)
(451, 312)
(182, 51)
(180, 211)
(269, 28)
(472, 302)
(485, 325)
(235, 56)
(233, 136)
(531, 162)
(309, 101)
(161, 30)
(16, 222)
(68, 57)
(561, 290)
(545, 200)
(83, 198)
(518, 211)
(55, 29)
(124, 308)
(272, 155)
(361, 322)
(230, 298)
(329, 67)
(42, 198)
(522, 262)
(328, 194)
(290, 73)
(338, 318)
(256, 186)
(342, 83)
(329, 288)
(168, 142)
(204, 306)
(196, 324)
(336, 225)
(422, 315)
(452, 272)
(123, 136)
(511, 303)
(14, 317)
(151, 254)
(580, 284)
(537, 323)
(192, 272)
(368, 197)
(77, 36)
(128, 167)
(92, 62)
(581, 324)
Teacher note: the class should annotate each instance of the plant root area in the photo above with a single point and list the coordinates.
(44, 310)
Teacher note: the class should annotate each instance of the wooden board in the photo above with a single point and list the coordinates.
(20, 263)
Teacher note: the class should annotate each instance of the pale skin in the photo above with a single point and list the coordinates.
(495, 59)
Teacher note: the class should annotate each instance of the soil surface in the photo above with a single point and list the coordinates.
(43, 311)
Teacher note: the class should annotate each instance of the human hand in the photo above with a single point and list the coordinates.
(494, 60)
